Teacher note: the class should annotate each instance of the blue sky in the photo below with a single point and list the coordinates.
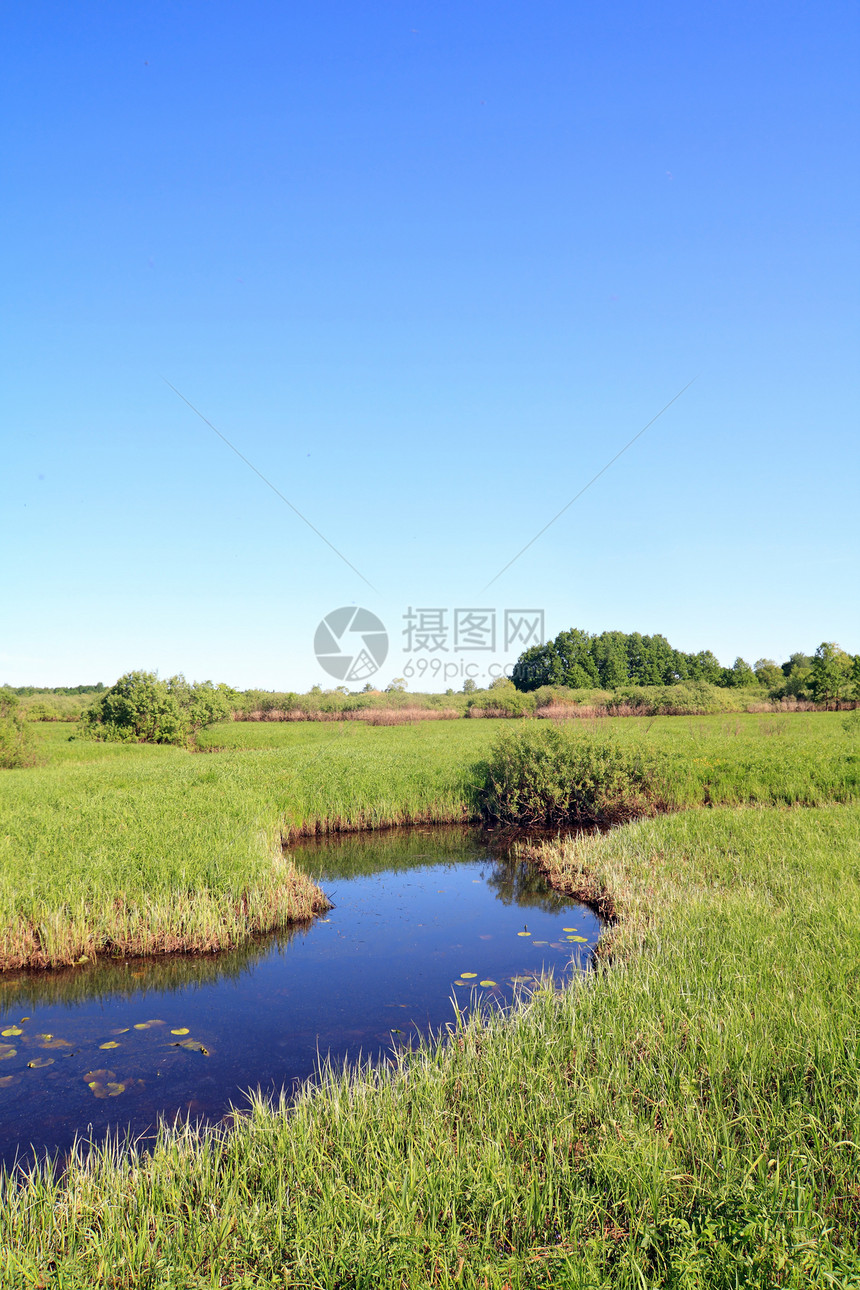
(428, 266)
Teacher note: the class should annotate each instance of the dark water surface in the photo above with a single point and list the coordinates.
(416, 911)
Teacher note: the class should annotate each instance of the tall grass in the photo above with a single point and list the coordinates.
(502, 700)
(131, 849)
(112, 849)
(371, 716)
(688, 1117)
(571, 774)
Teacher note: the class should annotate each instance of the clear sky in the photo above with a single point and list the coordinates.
(428, 266)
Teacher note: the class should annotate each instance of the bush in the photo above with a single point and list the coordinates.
(56, 707)
(502, 699)
(852, 723)
(200, 702)
(554, 775)
(142, 709)
(17, 746)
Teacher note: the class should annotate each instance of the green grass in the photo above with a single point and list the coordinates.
(114, 848)
(688, 1117)
(124, 849)
(553, 774)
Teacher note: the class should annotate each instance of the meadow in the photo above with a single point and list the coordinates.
(124, 848)
(686, 1116)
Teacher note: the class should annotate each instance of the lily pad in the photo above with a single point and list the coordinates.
(53, 1042)
(523, 933)
(102, 1090)
(467, 976)
(111, 1043)
(182, 1030)
(583, 939)
(489, 983)
(6, 1080)
(122, 1031)
(38, 1062)
(99, 1075)
(192, 1045)
(459, 982)
(7, 1050)
(11, 1030)
(141, 1025)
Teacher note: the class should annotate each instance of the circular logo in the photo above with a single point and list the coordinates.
(351, 643)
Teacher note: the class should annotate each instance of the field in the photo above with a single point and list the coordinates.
(689, 1116)
(115, 848)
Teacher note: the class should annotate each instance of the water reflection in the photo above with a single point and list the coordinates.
(128, 978)
(420, 915)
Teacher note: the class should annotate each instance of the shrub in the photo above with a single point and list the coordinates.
(852, 723)
(142, 709)
(16, 736)
(554, 775)
(138, 709)
(502, 699)
(200, 702)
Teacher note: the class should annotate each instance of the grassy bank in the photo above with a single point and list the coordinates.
(115, 848)
(131, 849)
(689, 1117)
(126, 850)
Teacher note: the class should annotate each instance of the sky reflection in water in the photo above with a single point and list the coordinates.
(416, 911)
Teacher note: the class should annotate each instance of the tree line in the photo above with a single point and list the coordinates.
(612, 660)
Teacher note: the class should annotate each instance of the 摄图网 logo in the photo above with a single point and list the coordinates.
(351, 643)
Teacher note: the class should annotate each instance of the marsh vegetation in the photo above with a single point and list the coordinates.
(689, 1117)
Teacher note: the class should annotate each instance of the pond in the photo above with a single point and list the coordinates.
(421, 917)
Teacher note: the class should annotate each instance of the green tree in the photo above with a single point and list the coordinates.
(739, 675)
(609, 651)
(535, 667)
(797, 662)
(768, 674)
(568, 660)
(798, 683)
(831, 673)
(704, 666)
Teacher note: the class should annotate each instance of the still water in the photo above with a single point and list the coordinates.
(420, 917)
